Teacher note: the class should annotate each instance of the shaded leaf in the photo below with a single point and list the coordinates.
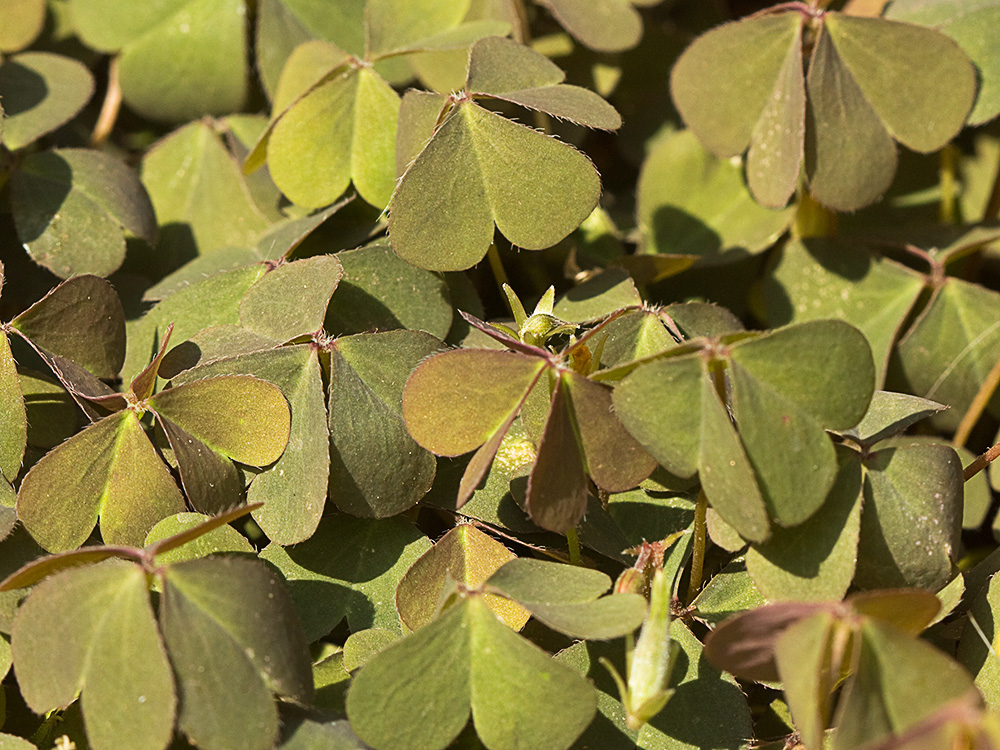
(890, 414)
(72, 207)
(418, 693)
(13, 417)
(40, 92)
(536, 189)
(692, 202)
(92, 630)
(365, 418)
(349, 567)
(602, 25)
(234, 638)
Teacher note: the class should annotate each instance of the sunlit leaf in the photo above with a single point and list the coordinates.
(535, 188)
(13, 417)
(465, 555)
(602, 25)
(399, 24)
(111, 471)
(223, 539)
(72, 207)
(189, 200)
(890, 414)
(179, 59)
(40, 92)
(291, 299)
(23, 21)
(92, 630)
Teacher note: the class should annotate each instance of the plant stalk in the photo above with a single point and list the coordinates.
(949, 185)
(978, 405)
(496, 265)
(109, 108)
(813, 219)
(981, 462)
(698, 546)
(574, 546)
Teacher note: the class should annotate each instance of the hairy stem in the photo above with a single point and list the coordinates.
(109, 109)
(698, 547)
(574, 546)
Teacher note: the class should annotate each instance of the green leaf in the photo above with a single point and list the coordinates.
(922, 90)
(400, 24)
(911, 517)
(507, 70)
(417, 694)
(40, 92)
(969, 24)
(234, 638)
(566, 599)
(342, 23)
(482, 385)
(72, 208)
(365, 417)
(379, 291)
(82, 320)
(189, 200)
(692, 202)
(222, 539)
(601, 25)
(824, 278)
(815, 560)
(850, 158)
(92, 630)
(180, 59)
(724, 79)
(291, 299)
(349, 567)
(242, 417)
(480, 168)
(888, 415)
(13, 417)
(342, 131)
(975, 650)
(111, 471)
(50, 409)
(803, 654)
(899, 680)
(948, 353)
(207, 302)
(23, 22)
(464, 555)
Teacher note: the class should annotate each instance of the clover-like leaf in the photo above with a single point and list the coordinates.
(871, 82)
(179, 59)
(504, 69)
(109, 471)
(466, 661)
(188, 202)
(72, 208)
(365, 415)
(291, 299)
(888, 415)
(393, 25)
(13, 417)
(40, 92)
(91, 630)
(80, 319)
(23, 21)
(234, 638)
(480, 169)
(566, 598)
(464, 555)
(602, 25)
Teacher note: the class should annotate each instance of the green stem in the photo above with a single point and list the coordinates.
(949, 185)
(574, 546)
(44, 731)
(812, 219)
(978, 406)
(698, 550)
(493, 255)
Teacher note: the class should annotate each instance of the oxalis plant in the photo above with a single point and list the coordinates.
(505, 374)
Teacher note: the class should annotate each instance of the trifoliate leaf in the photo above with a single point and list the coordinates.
(40, 92)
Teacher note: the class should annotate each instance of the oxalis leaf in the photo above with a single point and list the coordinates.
(478, 170)
(418, 693)
(871, 81)
(781, 383)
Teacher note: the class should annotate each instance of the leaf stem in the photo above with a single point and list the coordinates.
(812, 219)
(698, 548)
(981, 463)
(574, 546)
(978, 405)
(44, 730)
(110, 108)
(992, 209)
(496, 265)
(949, 186)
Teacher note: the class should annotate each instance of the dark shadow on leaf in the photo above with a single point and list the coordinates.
(675, 231)
(182, 357)
(21, 88)
(352, 310)
(40, 194)
(176, 247)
